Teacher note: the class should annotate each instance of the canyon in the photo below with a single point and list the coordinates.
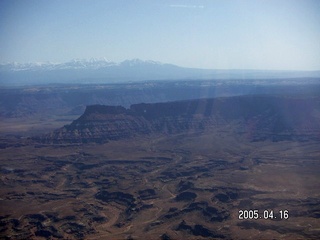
(173, 169)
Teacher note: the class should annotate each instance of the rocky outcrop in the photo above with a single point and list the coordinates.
(198, 230)
(259, 117)
(186, 196)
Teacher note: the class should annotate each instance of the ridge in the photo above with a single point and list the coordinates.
(260, 117)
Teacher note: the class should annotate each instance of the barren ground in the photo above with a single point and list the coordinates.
(188, 186)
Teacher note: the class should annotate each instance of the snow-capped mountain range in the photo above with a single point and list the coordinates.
(88, 71)
(101, 70)
(92, 63)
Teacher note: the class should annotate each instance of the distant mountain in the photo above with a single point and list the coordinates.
(92, 63)
(259, 118)
(104, 71)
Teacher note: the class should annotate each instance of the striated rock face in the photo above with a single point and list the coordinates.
(259, 117)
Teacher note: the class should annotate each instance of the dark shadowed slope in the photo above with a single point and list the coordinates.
(260, 117)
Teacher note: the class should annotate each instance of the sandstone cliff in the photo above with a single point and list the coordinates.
(260, 117)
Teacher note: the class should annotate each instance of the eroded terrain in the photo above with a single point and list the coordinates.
(182, 186)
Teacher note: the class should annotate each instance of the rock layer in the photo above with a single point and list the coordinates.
(260, 117)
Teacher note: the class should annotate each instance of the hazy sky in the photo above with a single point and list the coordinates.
(216, 34)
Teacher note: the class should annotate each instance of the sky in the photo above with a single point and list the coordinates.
(211, 34)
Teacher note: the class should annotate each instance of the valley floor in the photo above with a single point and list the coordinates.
(190, 186)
